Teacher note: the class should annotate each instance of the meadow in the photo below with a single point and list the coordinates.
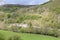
(26, 36)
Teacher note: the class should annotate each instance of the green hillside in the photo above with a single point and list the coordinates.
(41, 19)
(19, 13)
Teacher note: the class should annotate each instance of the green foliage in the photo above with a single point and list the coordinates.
(47, 15)
(11, 37)
(1, 36)
(15, 37)
(14, 29)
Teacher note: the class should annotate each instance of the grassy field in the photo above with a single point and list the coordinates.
(26, 36)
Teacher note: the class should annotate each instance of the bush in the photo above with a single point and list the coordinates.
(22, 30)
(2, 36)
(43, 30)
(15, 37)
(14, 29)
(58, 33)
(36, 30)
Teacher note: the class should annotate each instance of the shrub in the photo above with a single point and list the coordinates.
(37, 30)
(14, 29)
(2, 36)
(15, 37)
(22, 30)
(58, 33)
